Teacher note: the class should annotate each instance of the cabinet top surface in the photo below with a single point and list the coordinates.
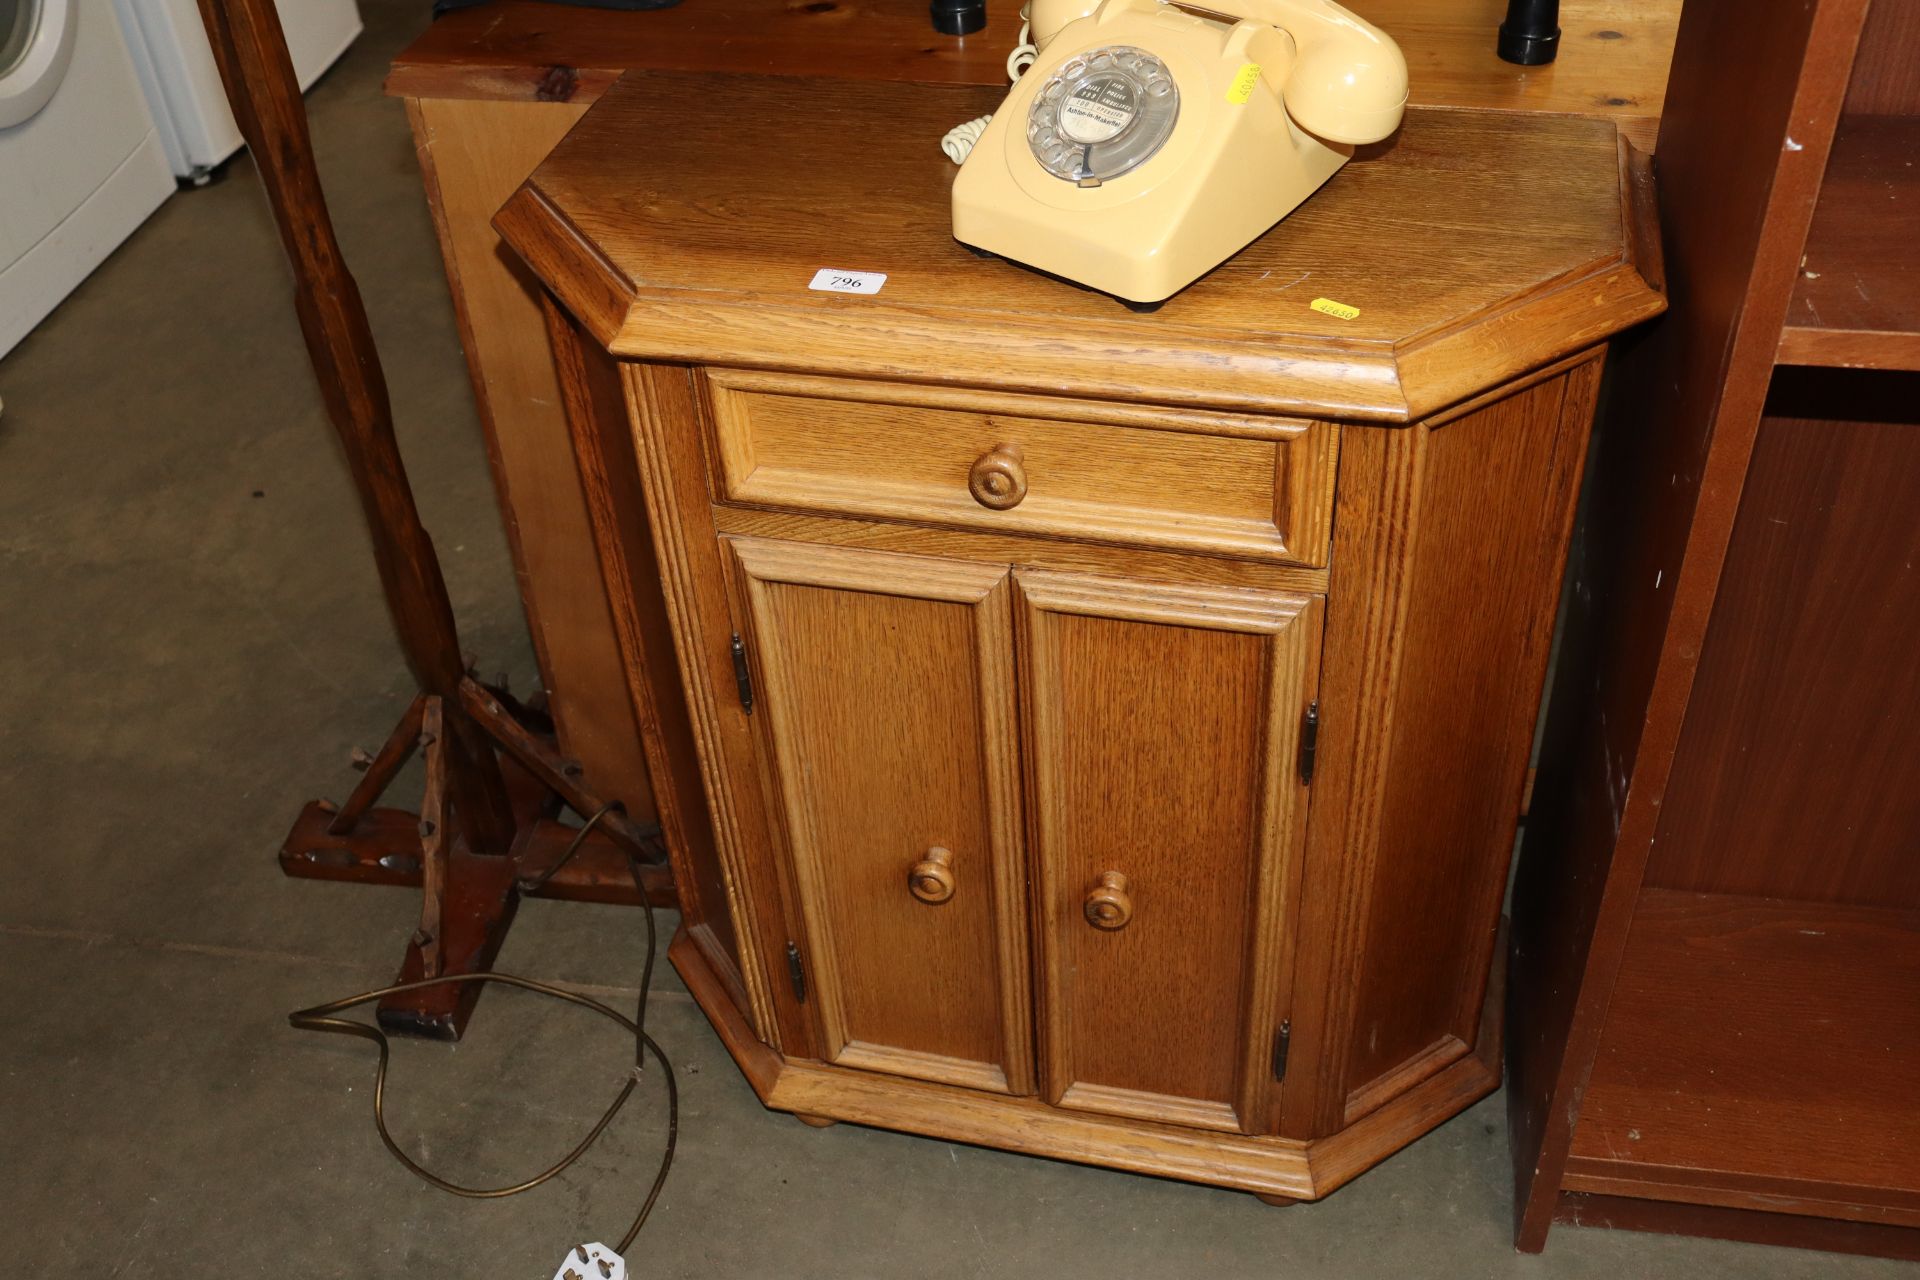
(686, 214)
(1613, 53)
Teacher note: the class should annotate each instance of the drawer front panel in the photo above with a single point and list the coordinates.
(889, 701)
(1161, 734)
(1223, 484)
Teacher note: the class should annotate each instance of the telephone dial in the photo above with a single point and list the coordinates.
(1148, 142)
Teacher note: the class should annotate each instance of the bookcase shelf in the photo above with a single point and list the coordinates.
(1856, 303)
(1715, 1083)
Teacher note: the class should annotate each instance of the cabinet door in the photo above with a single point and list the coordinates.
(888, 690)
(1162, 732)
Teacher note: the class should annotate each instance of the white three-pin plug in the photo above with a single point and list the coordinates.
(591, 1262)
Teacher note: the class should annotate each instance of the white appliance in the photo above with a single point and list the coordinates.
(81, 161)
(183, 84)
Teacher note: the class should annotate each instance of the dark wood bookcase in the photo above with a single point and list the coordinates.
(1715, 981)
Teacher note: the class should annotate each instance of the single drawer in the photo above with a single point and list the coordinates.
(1227, 484)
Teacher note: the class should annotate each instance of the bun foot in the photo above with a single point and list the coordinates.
(818, 1122)
(1278, 1202)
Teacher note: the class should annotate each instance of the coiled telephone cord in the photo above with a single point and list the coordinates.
(958, 141)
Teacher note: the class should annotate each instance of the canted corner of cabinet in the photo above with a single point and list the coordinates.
(1470, 249)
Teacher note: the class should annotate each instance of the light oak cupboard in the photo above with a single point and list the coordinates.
(490, 89)
(1108, 730)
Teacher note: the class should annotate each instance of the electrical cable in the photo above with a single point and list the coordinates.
(539, 882)
(321, 1018)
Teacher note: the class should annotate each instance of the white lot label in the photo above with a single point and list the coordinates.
(834, 280)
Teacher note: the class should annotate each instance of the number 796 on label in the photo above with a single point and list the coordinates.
(833, 280)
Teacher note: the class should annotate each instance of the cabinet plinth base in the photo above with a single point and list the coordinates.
(1275, 1169)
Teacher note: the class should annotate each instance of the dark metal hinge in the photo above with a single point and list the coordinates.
(1281, 1039)
(796, 972)
(742, 676)
(1309, 741)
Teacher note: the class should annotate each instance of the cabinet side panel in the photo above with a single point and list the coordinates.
(596, 409)
(664, 411)
(1378, 489)
(473, 155)
(1795, 773)
(1488, 546)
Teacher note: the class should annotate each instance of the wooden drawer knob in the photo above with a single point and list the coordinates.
(998, 481)
(931, 879)
(1109, 905)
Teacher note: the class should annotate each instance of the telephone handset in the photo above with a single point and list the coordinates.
(1148, 141)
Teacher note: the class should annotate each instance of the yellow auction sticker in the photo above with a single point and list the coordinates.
(1242, 87)
(1328, 307)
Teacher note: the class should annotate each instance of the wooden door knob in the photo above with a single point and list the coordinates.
(931, 879)
(998, 481)
(1109, 905)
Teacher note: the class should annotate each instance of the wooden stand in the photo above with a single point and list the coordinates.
(483, 831)
(468, 897)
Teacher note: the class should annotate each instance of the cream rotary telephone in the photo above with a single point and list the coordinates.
(1147, 143)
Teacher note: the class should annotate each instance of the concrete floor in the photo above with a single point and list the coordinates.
(191, 640)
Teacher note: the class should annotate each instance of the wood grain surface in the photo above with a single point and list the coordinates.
(472, 156)
(1612, 62)
(1744, 141)
(1162, 725)
(1489, 541)
(889, 686)
(1813, 1114)
(610, 484)
(1043, 553)
(812, 470)
(1793, 777)
(1857, 300)
(1755, 1226)
(852, 448)
(1885, 79)
(1274, 1166)
(1448, 549)
(700, 252)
